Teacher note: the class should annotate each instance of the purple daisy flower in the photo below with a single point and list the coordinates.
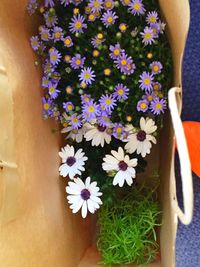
(35, 43)
(109, 18)
(87, 75)
(77, 24)
(158, 106)
(75, 121)
(108, 4)
(56, 77)
(57, 34)
(76, 2)
(69, 90)
(51, 20)
(125, 64)
(142, 105)
(95, 5)
(121, 91)
(56, 114)
(48, 68)
(45, 82)
(116, 51)
(77, 61)
(48, 3)
(148, 36)
(85, 98)
(104, 120)
(54, 55)
(90, 110)
(53, 92)
(32, 6)
(65, 2)
(157, 86)
(68, 41)
(146, 81)
(152, 17)
(156, 29)
(136, 7)
(156, 67)
(118, 131)
(45, 34)
(96, 41)
(149, 97)
(108, 102)
(68, 106)
(47, 107)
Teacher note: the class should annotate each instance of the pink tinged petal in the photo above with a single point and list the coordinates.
(84, 209)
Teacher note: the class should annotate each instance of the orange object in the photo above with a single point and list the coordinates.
(192, 133)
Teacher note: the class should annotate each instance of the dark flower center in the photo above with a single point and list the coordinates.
(101, 128)
(85, 194)
(70, 161)
(122, 165)
(141, 136)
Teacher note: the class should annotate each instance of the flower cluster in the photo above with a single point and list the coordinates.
(105, 76)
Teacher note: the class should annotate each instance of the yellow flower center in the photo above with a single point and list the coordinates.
(68, 90)
(76, 11)
(147, 36)
(69, 107)
(156, 68)
(67, 41)
(152, 19)
(83, 85)
(78, 62)
(108, 4)
(149, 55)
(67, 58)
(96, 4)
(91, 17)
(158, 106)
(51, 89)
(78, 25)
(95, 53)
(127, 2)
(147, 81)
(46, 106)
(107, 72)
(120, 91)
(160, 95)
(91, 109)
(110, 19)
(116, 52)
(54, 57)
(100, 36)
(86, 99)
(44, 35)
(129, 118)
(123, 62)
(156, 87)
(75, 120)
(119, 130)
(108, 101)
(137, 6)
(87, 75)
(35, 42)
(123, 27)
(143, 105)
(57, 35)
(150, 98)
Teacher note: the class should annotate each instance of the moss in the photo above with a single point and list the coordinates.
(127, 228)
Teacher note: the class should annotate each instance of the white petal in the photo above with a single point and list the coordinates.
(84, 209)
(72, 191)
(118, 179)
(90, 205)
(73, 199)
(87, 183)
(63, 169)
(77, 207)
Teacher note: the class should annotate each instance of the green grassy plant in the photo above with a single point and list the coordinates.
(127, 228)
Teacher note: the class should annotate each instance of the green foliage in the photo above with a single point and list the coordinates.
(127, 228)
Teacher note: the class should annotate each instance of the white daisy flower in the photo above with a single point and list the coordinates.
(140, 141)
(122, 164)
(75, 135)
(98, 134)
(72, 162)
(84, 196)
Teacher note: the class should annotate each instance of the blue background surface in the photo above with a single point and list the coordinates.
(188, 238)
